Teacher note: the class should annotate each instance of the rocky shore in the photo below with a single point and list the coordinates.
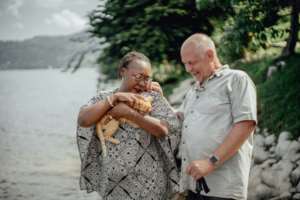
(275, 171)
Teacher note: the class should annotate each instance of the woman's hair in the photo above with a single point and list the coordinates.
(130, 57)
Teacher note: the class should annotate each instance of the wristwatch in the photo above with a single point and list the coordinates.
(214, 159)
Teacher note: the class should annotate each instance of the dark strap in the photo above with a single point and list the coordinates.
(201, 185)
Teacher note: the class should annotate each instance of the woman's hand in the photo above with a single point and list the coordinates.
(120, 111)
(150, 124)
(125, 97)
(155, 86)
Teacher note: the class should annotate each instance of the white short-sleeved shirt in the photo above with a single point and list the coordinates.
(210, 110)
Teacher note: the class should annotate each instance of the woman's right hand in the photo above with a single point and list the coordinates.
(126, 97)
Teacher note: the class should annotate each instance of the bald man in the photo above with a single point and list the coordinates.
(219, 119)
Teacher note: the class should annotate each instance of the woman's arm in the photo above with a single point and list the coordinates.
(150, 124)
(91, 114)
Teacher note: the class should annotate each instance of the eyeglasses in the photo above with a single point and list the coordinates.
(140, 77)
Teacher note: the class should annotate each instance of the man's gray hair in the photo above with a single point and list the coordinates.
(202, 41)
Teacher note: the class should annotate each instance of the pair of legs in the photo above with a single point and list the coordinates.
(194, 196)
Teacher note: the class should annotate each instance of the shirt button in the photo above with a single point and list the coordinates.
(192, 111)
(184, 159)
(185, 126)
(197, 97)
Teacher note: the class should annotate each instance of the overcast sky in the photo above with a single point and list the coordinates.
(22, 19)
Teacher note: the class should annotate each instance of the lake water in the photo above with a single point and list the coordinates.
(38, 152)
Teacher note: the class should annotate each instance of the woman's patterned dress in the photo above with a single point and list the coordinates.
(141, 167)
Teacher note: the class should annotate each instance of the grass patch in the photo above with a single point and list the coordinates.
(279, 95)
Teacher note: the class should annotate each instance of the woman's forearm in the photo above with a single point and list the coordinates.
(93, 113)
(150, 124)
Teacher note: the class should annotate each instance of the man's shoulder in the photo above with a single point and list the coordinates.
(236, 72)
(237, 76)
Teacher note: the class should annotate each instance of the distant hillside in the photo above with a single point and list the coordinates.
(42, 51)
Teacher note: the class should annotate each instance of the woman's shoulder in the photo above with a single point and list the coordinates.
(100, 95)
(104, 93)
(155, 95)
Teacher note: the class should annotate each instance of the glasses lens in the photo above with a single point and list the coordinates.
(139, 77)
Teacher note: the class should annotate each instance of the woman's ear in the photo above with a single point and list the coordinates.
(122, 72)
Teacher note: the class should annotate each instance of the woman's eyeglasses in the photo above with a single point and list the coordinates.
(140, 77)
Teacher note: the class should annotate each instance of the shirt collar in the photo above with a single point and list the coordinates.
(218, 73)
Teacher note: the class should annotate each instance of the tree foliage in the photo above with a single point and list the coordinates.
(255, 24)
(156, 28)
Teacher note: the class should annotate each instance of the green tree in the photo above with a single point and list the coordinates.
(256, 24)
(156, 28)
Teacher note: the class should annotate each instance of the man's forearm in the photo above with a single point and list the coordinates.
(234, 140)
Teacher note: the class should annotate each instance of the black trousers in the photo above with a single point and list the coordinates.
(194, 196)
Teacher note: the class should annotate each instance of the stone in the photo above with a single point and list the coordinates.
(264, 192)
(293, 190)
(270, 140)
(259, 154)
(292, 151)
(275, 171)
(295, 176)
(285, 135)
(281, 64)
(272, 149)
(283, 196)
(259, 140)
(296, 158)
(298, 187)
(271, 70)
(269, 179)
(257, 131)
(278, 176)
(296, 196)
(283, 144)
(265, 133)
(268, 163)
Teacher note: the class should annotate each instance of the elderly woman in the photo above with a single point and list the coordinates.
(142, 165)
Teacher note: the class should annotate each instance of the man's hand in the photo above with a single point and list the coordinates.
(199, 168)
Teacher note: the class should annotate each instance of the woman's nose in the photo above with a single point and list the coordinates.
(144, 82)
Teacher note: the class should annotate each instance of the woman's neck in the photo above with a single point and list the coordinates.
(123, 88)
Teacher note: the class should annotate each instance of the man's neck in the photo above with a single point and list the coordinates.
(215, 67)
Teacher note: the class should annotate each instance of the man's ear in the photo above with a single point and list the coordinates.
(210, 54)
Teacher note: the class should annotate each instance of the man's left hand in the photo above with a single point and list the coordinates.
(199, 168)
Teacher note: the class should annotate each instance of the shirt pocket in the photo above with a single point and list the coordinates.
(214, 104)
